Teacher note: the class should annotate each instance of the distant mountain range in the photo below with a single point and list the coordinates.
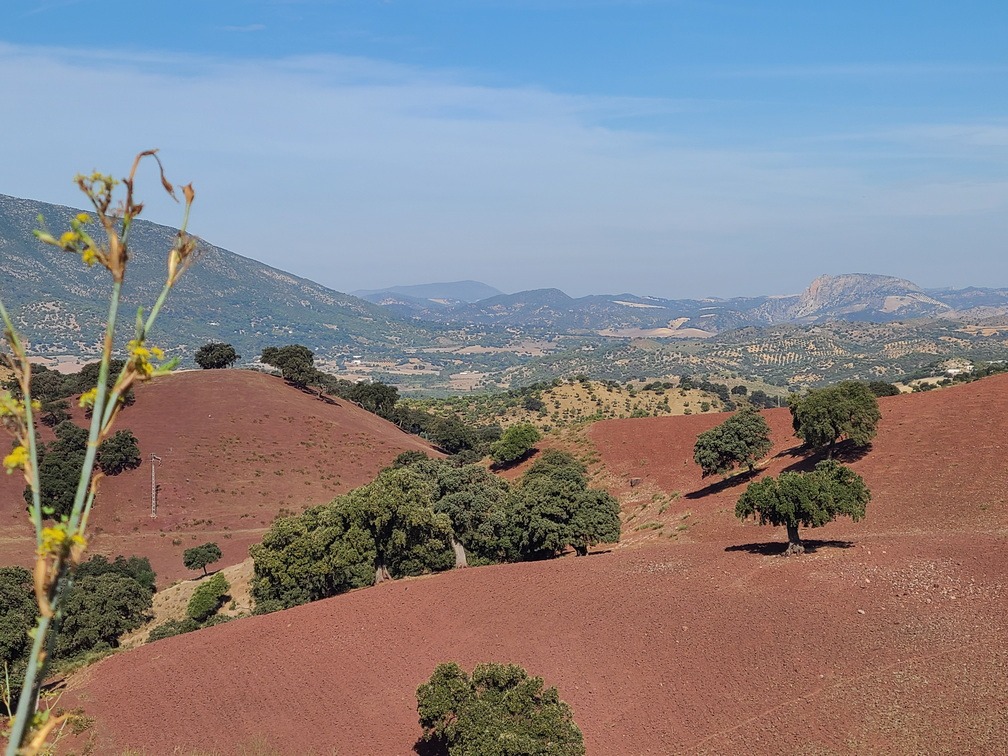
(852, 297)
(60, 305)
(447, 294)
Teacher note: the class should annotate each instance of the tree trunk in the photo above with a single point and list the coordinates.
(795, 545)
(460, 555)
(381, 574)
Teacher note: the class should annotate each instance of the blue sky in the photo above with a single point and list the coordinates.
(602, 146)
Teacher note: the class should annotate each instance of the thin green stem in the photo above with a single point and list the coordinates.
(98, 412)
(36, 507)
(25, 701)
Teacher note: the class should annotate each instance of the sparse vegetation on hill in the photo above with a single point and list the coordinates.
(498, 711)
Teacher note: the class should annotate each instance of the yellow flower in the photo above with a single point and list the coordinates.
(17, 459)
(157, 352)
(90, 256)
(9, 406)
(88, 397)
(56, 537)
(83, 218)
(69, 239)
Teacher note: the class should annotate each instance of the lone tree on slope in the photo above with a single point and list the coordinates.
(740, 440)
(845, 410)
(808, 499)
(516, 443)
(200, 556)
(216, 355)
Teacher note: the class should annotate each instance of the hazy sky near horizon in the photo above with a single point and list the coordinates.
(667, 148)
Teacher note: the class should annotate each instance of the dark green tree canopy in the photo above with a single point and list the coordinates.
(516, 443)
(98, 609)
(552, 508)
(809, 499)
(135, 567)
(216, 355)
(295, 362)
(198, 557)
(499, 711)
(845, 410)
(428, 515)
(60, 464)
(740, 440)
(119, 452)
(17, 617)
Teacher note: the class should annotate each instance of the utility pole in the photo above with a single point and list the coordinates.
(153, 486)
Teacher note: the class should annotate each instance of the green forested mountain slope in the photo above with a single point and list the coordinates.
(59, 304)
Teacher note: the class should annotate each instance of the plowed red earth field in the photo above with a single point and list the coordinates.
(889, 636)
(236, 446)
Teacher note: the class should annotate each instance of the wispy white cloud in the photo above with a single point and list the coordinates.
(362, 173)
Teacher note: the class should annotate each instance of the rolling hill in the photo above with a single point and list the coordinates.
(691, 637)
(236, 448)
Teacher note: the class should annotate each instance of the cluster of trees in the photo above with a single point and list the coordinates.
(497, 711)
(296, 364)
(60, 464)
(107, 599)
(427, 516)
(847, 410)
(516, 443)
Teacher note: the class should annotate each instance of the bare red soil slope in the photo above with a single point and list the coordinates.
(236, 447)
(888, 637)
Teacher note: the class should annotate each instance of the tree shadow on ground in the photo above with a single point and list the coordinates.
(724, 484)
(429, 748)
(845, 452)
(776, 548)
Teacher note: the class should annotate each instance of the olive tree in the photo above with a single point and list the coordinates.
(845, 410)
(807, 499)
(198, 557)
(740, 440)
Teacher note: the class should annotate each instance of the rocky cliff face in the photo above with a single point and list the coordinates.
(864, 296)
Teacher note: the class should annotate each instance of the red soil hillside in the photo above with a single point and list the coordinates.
(236, 447)
(888, 637)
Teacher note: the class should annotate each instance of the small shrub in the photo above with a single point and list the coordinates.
(208, 598)
(172, 627)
